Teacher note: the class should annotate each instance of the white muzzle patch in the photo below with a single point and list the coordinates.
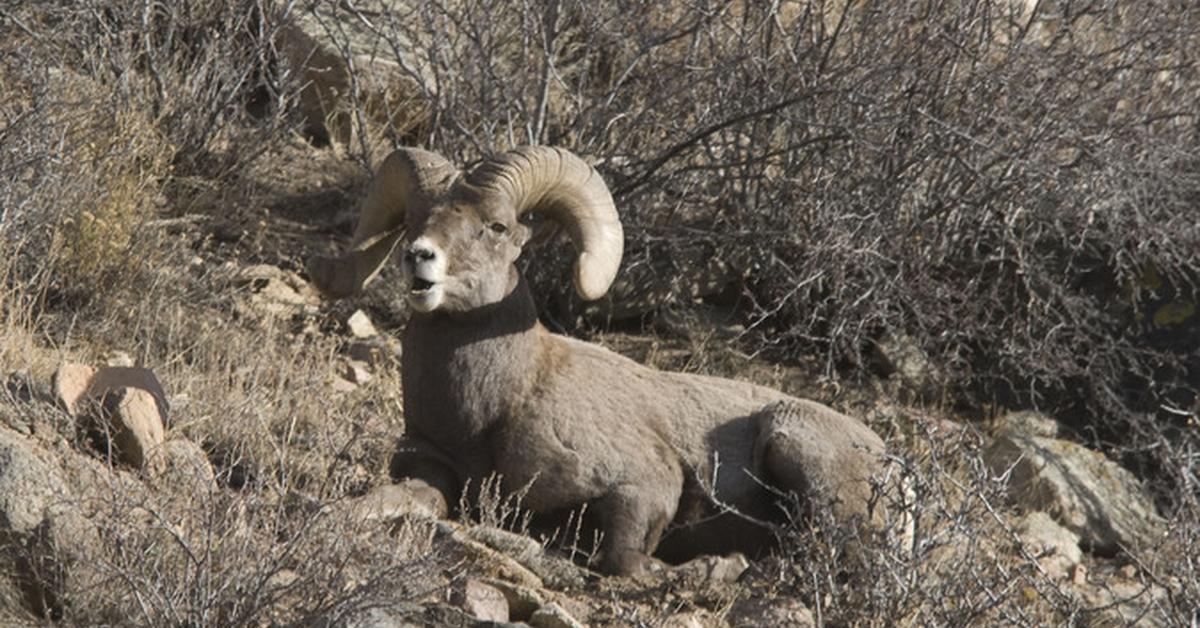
(425, 273)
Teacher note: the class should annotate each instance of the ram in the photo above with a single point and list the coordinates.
(668, 462)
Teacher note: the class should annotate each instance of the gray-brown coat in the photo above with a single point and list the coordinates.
(487, 389)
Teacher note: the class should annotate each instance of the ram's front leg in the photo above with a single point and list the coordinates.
(425, 476)
(633, 519)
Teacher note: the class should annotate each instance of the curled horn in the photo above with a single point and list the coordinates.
(563, 187)
(407, 183)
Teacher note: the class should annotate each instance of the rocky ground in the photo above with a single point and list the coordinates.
(191, 436)
(226, 463)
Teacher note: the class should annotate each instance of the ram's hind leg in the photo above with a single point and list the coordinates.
(826, 457)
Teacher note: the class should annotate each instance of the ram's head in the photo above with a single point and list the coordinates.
(464, 233)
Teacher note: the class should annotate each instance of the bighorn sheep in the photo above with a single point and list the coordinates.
(487, 389)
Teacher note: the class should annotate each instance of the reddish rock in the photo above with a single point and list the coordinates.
(125, 406)
(136, 425)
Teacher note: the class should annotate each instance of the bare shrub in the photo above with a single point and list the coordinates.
(1012, 186)
(108, 110)
(993, 182)
(236, 559)
(963, 564)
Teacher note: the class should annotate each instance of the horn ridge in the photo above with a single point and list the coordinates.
(559, 184)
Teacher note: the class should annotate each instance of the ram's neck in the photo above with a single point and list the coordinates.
(462, 371)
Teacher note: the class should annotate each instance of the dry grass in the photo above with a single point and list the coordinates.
(1016, 200)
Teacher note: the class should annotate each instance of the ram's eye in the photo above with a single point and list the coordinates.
(498, 227)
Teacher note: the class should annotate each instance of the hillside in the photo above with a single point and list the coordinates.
(973, 225)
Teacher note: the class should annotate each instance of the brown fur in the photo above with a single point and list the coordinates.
(488, 390)
(494, 391)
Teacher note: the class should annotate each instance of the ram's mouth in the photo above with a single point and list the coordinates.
(421, 286)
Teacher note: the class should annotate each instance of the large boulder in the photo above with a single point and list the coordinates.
(345, 59)
(38, 525)
(1086, 492)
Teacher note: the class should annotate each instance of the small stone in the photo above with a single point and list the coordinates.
(1044, 535)
(480, 600)
(342, 385)
(118, 358)
(357, 372)
(522, 601)
(282, 579)
(136, 426)
(393, 501)
(555, 571)
(360, 325)
(1079, 574)
(374, 351)
(902, 359)
(71, 384)
(685, 620)
(553, 616)
(714, 569)
(758, 611)
(1030, 422)
(187, 464)
(1129, 571)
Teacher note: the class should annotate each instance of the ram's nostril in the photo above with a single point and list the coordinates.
(419, 254)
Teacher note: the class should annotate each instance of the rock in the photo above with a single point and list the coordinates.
(311, 47)
(29, 483)
(489, 560)
(712, 570)
(186, 464)
(75, 384)
(135, 427)
(343, 385)
(779, 611)
(1029, 422)
(118, 358)
(282, 579)
(687, 620)
(903, 361)
(375, 351)
(274, 292)
(1115, 601)
(410, 498)
(34, 506)
(553, 616)
(1081, 489)
(71, 384)
(360, 325)
(480, 600)
(1043, 534)
(558, 573)
(357, 372)
(124, 408)
(522, 601)
(379, 617)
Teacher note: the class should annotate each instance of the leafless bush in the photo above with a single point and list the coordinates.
(236, 559)
(108, 110)
(964, 565)
(1013, 186)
